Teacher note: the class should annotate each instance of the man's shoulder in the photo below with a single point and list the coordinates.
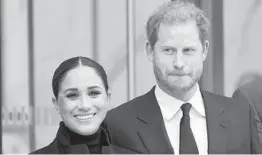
(236, 109)
(132, 104)
(216, 97)
(128, 111)
(226, 102)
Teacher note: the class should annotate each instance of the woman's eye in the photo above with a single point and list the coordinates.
(94, 93)
(72, 95)
(168, 51)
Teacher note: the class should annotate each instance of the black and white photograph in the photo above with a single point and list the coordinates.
(131, 77)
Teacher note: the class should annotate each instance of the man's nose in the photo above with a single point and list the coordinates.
(179, 61)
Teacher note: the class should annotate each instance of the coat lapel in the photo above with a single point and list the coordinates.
(76, 149)
(114, 149)
(152, 130)
(65, 147)
(107, 149)
(216, 122)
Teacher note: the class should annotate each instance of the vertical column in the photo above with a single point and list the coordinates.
(213, 75)
(1, 76)
(131, 48)
(14, 70)
(218, 46)
(31, 79)
(94, 29)
(207, 79)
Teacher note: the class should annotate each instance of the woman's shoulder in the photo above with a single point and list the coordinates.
(114, 149)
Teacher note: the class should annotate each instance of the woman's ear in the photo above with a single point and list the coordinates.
(54, 100)
(109, 93)
(109, 106)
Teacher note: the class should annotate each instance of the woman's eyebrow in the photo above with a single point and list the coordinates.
(70, 89)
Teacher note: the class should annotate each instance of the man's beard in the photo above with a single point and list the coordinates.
(164, 82)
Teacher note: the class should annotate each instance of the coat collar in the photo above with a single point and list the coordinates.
(65, 146)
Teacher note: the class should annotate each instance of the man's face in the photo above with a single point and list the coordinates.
(178, 56)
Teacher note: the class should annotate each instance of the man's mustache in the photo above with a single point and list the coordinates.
(178, 73)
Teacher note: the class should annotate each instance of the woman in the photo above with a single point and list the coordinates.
(81, 97)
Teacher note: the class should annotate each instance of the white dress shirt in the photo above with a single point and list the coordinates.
(172, 114)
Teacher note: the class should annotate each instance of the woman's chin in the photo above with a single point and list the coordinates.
(85, 131)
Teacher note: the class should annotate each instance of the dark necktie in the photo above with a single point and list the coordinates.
(187, 140)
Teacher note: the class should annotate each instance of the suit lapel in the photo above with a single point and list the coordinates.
(152, 129)
(216, 122)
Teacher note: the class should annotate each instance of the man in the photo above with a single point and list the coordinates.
(176, 116)
(250, 90)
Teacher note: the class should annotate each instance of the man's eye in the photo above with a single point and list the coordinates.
(188, 50)
(94, 93)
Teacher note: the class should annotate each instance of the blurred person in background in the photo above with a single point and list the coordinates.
(81, 97)
(176, 115)
(13, 144)
(249, 89)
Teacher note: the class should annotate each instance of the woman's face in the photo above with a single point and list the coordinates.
(82, 100)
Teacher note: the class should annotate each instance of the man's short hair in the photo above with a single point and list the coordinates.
(175, 12)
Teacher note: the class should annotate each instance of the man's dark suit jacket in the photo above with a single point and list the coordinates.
(138, 126)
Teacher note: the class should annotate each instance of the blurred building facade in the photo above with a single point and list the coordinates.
(37, 35)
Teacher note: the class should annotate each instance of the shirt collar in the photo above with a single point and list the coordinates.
(197, 102)
(170, 106)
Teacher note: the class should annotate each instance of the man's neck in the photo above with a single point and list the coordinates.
(180, 94)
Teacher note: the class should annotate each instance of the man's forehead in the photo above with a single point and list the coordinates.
(172, 25)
